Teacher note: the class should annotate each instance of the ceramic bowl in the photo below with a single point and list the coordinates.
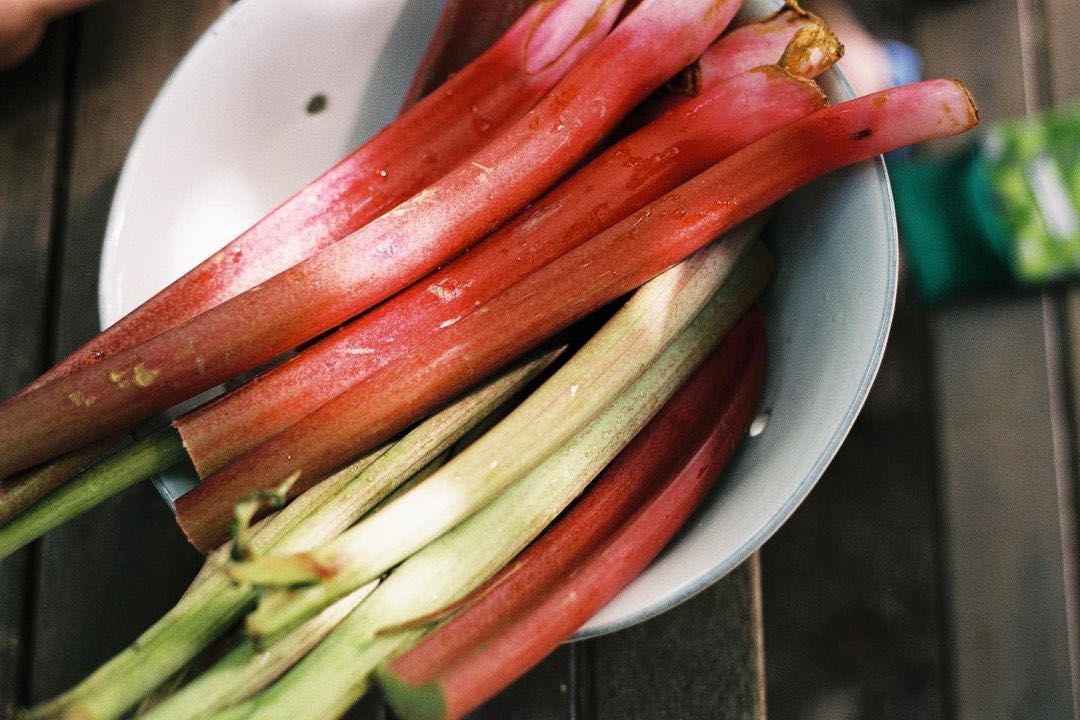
(235, 130)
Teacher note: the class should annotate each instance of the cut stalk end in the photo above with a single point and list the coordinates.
(812, 50)
(280, 571)
(415, 702)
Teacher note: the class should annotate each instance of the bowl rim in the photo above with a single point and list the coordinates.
(754, 542)
(109, 310)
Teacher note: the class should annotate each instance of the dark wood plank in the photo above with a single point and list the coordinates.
(852, 596)
(31, 106)
(1000, 397)
(1000, 508)
(544, 694)
(1062, 18)
(103, 578)
(1063, 43)
(703, 659)
(853, 616)
(1063, 59)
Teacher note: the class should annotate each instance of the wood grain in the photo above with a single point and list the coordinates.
(853, 612)
(105, 577)
(703, 660)
(31, 109)
(546, 693)
(998, 397)
(1063, 50)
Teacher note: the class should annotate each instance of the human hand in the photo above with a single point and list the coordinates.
(22, 23)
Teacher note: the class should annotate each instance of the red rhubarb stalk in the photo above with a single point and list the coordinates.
(465, 29)
(653, 42)
(639, 169)
(658, 451)
(472, 107)
(803, 41)
(757, 43)
(581, 281)
(534, 617)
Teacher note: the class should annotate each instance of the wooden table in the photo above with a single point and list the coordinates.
(932, 574)
(67, 118)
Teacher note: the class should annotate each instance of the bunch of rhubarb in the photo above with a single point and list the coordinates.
(437, 417)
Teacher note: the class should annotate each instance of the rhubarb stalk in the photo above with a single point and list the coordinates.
(726, 117)
(474, 105)
(806, 44)
(465, 29)
(331, 677)
(425, 142)
(247, 669)
(602, 269)
(143, 459)
(213, 603)
(609, 363)
(21, 491)
(652, 43)
(425, 684)
(659, 450)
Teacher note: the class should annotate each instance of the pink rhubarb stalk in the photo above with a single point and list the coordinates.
(657, 452)
(762, 42)
(803, 43)
(589, 276)
(465, 29)
(533, 618)
(472, 107)
(657, 39)
(637, 170)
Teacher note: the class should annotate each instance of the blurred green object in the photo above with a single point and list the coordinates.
(1002, 212)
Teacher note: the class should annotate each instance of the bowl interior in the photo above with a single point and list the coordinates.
(236, 129)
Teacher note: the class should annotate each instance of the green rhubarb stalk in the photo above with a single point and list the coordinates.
(247, 669)
(333, 701)
(142, 459)
(214, 602)
(587, 383)
(265, 533)
(335, 674)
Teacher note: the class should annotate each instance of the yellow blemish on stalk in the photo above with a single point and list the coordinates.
(144, 376)
(119, 379)
(218, 257)
(186, 350)
(79, 400)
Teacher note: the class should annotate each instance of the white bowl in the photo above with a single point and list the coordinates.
(229, 136)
